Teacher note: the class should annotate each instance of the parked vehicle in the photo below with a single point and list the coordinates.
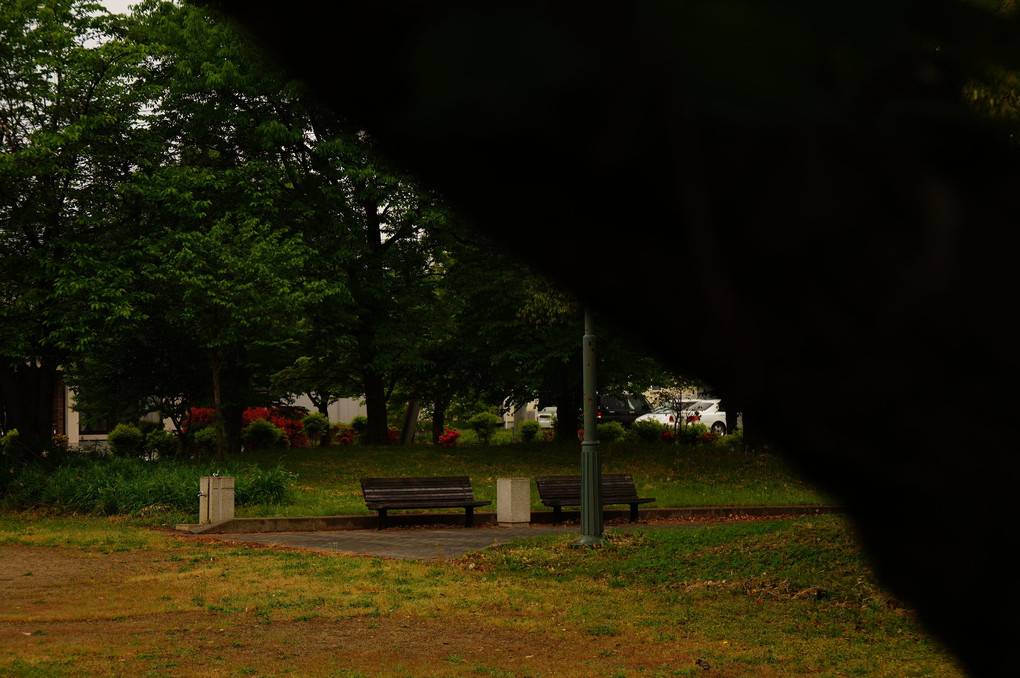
(546, 417)
(706, 412)
(625, 409)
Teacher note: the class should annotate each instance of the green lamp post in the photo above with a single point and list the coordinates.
(591, 460)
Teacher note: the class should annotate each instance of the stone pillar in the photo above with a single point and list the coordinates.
(513, 502)
(215, 499)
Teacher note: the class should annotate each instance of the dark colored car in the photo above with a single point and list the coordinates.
(624, 409)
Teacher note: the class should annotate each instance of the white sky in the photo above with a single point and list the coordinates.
(119, 6)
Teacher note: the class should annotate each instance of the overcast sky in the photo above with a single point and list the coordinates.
(119, 6)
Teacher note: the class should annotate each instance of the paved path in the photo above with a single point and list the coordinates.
(414, 544)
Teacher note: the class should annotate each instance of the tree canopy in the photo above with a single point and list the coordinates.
(184, 225)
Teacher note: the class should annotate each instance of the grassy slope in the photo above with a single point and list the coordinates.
(328, 478)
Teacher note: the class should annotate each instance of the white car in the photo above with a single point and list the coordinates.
(545, 417)
(706, 412)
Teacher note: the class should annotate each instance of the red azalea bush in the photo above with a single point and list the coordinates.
(343, 434)
(287, 419)
(197, 417)
(709, 437)
(448, 437)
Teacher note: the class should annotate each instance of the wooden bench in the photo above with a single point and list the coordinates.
(560, 491)
(383, 494)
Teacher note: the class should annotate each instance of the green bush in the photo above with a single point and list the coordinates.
(205, 440)
(160, 444)
(647, 431)
(316, 425)
(484, 424)
(126, 440)
(529, 430)
(9, 441)
(360, 424)
(263, 434)
(610, 432)
(732, 442)
(112, 485)
(693, 433)
(147, 426)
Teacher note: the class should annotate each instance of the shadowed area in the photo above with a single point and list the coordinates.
(843, 225)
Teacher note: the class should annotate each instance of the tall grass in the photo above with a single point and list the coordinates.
(111, 485)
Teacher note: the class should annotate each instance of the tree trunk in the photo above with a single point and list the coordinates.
(566, 417)
(410, 423)
(221, 440)
(439, 420)
(375, 403)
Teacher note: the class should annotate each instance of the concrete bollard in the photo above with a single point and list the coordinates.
(513, 502)
(215, 499)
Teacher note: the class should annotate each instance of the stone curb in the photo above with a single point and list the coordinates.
(370, 522)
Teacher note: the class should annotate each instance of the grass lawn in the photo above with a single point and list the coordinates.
(327, 480)
(100, 596)
(122, 595)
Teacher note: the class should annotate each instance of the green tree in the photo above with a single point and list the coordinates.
(71, 106)
(216, 245)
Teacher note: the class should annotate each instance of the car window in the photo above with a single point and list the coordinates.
(638, 404)
(612, 403)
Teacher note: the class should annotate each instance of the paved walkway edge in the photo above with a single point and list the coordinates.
(371, 522)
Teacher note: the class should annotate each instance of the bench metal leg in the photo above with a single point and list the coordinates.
(382, 518)
(633, 513)
(469, 517)
(557, 515)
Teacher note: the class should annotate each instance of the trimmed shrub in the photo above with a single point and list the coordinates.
(160, 444)
(693, 433)
(205, 440)
(360, 425)
(315, 426)
(342, 434)
(262, 434)
(647, 431)
(529, 430)
(610, 432)
(125, 440)
(484, 424)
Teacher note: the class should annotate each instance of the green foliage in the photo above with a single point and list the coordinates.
(360, 426)
(731, 442)
(112, 486)
(693, 433)
(647, 431)
(263, 434)
(160, 444)
(610, 432)
(205, 439)
(529, 430)
(484, 425)
(315, 425)
(125, 440)
(9, 440)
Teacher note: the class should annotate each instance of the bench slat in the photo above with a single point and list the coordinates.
(560, 491)
(382, 494)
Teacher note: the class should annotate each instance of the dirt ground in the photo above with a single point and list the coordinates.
(67, 611)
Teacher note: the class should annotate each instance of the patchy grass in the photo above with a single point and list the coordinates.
(774, 598)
